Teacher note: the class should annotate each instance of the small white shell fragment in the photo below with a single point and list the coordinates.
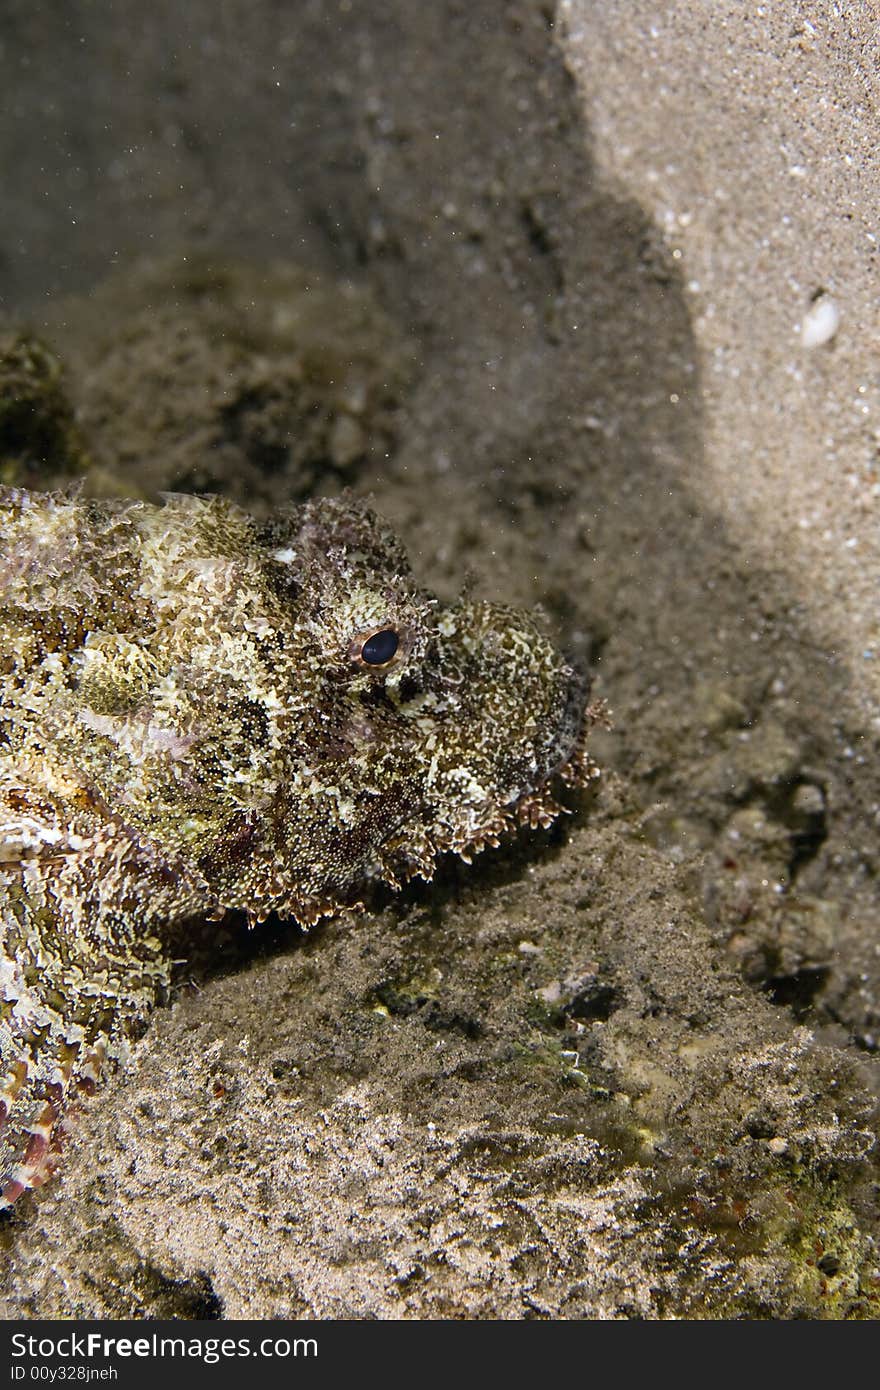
(820, 322)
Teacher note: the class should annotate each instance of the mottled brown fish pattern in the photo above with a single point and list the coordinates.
(201, 713)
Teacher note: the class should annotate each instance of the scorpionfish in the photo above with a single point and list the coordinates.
(200, 713)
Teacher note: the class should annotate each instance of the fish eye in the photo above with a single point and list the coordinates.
(376, 648)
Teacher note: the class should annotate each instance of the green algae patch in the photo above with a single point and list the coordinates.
(834, 1260)
(775, 1252)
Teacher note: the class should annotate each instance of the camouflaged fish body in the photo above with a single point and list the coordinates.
(199, 713)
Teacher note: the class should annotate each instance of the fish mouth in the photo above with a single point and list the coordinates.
(569, 764)
(578, 717)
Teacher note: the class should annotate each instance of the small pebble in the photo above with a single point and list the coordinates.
(820, 322)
